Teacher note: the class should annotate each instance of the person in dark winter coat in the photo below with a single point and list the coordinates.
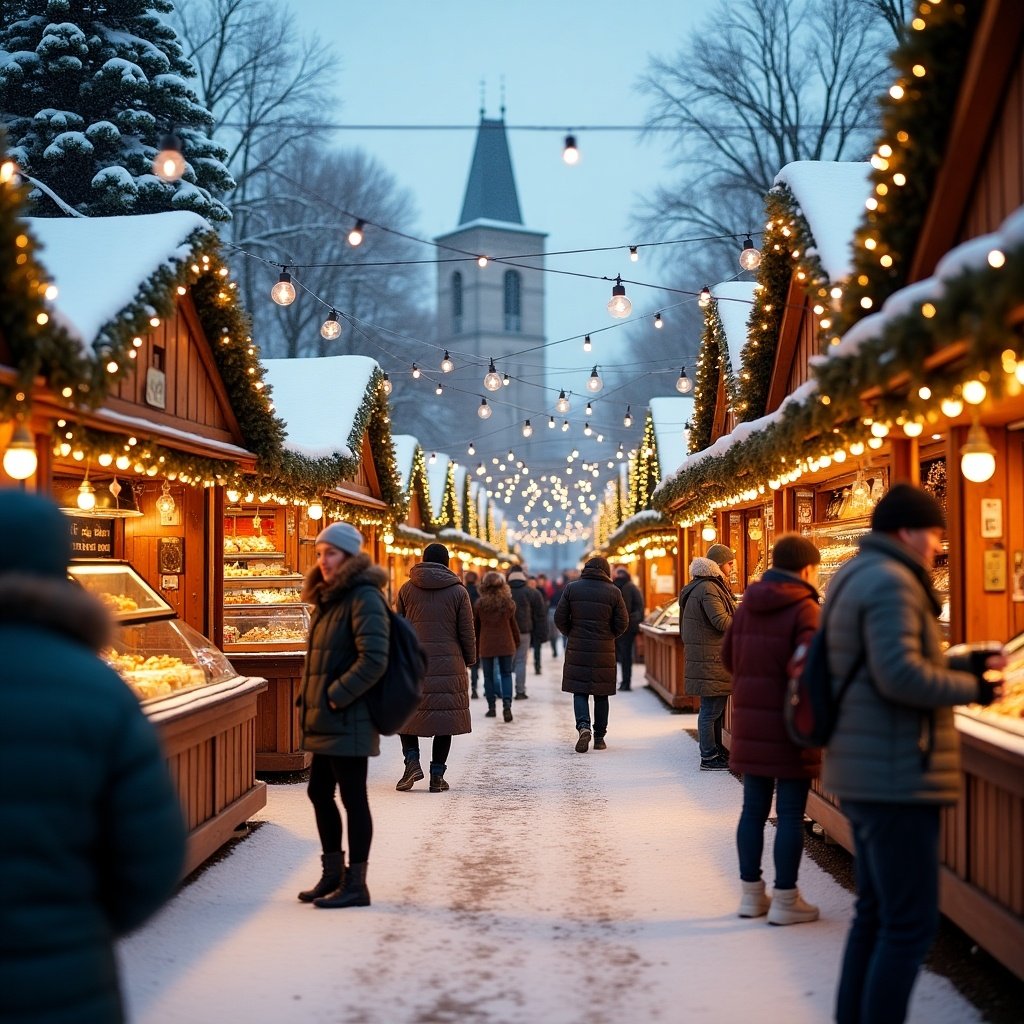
(497, 639)
(894, 756)
(779, 612)
(437, 605)
(554, 596)
(539, 636)
(347, 653)
(93, 840)
(634, 602)
(532, 620)
(591, 614)
(470, 579)
(706, 607)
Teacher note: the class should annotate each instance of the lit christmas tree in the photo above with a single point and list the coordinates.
(88, 93)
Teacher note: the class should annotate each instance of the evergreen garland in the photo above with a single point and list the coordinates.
(449, 516)
(706, 378)
(648, 471)
(420, 485)
(649, 524)
(915, 129)
(470, 518)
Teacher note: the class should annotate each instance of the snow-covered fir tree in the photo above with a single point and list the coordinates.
(87, 91)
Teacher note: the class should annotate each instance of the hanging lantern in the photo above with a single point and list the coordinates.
(165, 504)
(977, 456)
(708, 532)
(387, 385)
(315, 511)
(20, 460)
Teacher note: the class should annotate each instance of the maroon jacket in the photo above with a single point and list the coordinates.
(776, 614)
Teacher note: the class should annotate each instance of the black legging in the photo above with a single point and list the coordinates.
(439, 752)
(349, 775)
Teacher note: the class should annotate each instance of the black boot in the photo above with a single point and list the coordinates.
(491, 713)
(352, 894)
(413, 773)
(507, 710)
(437, 783)
(332, 878)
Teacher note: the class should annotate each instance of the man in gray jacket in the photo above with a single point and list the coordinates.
(893, 759)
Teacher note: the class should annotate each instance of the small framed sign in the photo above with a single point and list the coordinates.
(995, 570)
(171, 555)
(991, 517)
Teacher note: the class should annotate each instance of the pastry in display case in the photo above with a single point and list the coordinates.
(1007, 712)
(274, 628)
(263, 609)
(121, 589)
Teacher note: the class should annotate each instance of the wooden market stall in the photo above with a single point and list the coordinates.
(339, 464)
(139, 419)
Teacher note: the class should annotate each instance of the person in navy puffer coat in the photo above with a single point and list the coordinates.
(92, 840)
(778, 613)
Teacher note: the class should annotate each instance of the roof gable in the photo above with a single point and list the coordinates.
(491, 188)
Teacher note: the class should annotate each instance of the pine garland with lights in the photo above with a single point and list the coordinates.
(449, 517)
(648, 523)
(648, 470)
(420, 484)
(711, 360)
(915, 129)
(470, 518)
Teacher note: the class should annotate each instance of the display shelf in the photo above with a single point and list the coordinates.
(125, 593)
(253, 556)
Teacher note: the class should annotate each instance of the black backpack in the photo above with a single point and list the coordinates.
(811, 709)
(393, 699)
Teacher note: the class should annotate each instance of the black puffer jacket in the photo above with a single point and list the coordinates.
(531, 609)
(346, 655)
(634, 602)
(591, 613)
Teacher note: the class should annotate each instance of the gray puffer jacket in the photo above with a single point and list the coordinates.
(894, 740)
(706, 608)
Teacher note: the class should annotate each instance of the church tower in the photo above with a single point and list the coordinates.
(491, 312)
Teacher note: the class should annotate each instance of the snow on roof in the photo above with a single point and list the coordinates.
(437, 477)
(831, 197)
(319, 399)
(99, 263)
(735, 299)
(461, 473)
(405, 449)
(670, 416)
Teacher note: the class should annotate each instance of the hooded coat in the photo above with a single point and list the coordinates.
(894, 739)
(347, 653)
(706, 607)
(494, 616)
(591, 614)
(437, 605)
(93, 840)
(778, 613)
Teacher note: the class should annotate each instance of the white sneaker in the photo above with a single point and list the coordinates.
(755, 901)
(789, 907)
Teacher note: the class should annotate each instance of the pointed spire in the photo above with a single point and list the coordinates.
(491, 189)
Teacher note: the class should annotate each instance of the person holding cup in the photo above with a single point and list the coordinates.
(894, 758)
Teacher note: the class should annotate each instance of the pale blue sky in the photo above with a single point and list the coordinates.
(564, 63)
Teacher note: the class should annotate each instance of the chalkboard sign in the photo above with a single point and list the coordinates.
(92, 538)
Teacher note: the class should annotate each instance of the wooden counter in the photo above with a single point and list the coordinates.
(663, 667)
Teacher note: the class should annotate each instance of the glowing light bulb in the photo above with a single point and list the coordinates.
(471, 450)
(974, 392)
(484, 411)
(492, 381)
(683, 383)
(704, 299)
(165, 504)
(634, 253)
(658, 322)
(562, 405)
(587, 430)
(20, 459)
(506, 380)
(356, 235)
(481, 262)
(331, 328)
(551, 423)
(951, 407)
(594, 382)
(913, 428)
(627, 420)
(86, 499)
(387, 385)
(708, 532)
(879, 429)
(565, 426)
(977, 456)
(587, 346)
(416, 373)
(315, 511)
(283, 293)
(169, 164)
(619, 305)
(527, 429)
(570, 154)
(446, 364)
(439, 390)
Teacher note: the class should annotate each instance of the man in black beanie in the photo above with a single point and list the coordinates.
(894, 758)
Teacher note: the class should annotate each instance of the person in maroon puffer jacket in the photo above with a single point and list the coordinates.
(778, 613)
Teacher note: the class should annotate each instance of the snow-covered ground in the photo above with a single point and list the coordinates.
(546, 886)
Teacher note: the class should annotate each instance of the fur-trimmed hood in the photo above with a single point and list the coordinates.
(56, 604)
(705, 567)
(355, 571)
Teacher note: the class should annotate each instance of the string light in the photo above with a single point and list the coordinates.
(594, 382)
(86, 499)
(283, 293)
(587, 430)
(627, 420)
(977, 456)
(438, 390)
(491, 379)
(387, 385)
(683, 383)
(974, 392)
(587, 346)
(315, 511)
(331, 328)
(481, 262)
(415, 372)
(565, 426)
(471, 450)
(704, 299)
(169, 164)
(658, 322)
(20, 460)
(589, 409)
(506, 380)
(570, 154)
(634, 253)
(750, 255)
(446, 364)
(484, 411)
(619, 305)
(527, 429)
(356, 235)
(551, 423)
(433, 458)
(951, 406)
(562, 405)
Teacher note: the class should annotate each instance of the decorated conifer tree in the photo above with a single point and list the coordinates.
(88, 90)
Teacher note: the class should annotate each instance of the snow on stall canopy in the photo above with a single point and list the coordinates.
(319, 398)
(99, 263)
(831, 196)
(437, 477)
(461, 472)
(670, 416)
(405, 449)
(735, 300)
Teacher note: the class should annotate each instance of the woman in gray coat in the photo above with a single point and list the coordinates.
(438, 608)
(706, 608)
(347, 654)
(591, 614)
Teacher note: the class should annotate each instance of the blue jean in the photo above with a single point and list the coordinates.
(896, 849)
(503, 663)
(790, 801)
(581, 707)
(709, 726)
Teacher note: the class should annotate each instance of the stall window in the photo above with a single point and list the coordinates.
(456, 303)
(513, 299)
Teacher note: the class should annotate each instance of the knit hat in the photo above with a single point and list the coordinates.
(343, 536)
(37, 537)
(621, 573)
(906, 507)
(436, 553)
(791, 553)
(599, 563)
(720, 554)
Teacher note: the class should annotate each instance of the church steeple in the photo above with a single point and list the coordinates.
(491, 188)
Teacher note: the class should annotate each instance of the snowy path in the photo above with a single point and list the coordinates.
(546, 886)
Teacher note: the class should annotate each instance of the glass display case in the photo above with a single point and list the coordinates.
(277, 628)
(263, 611)
(1008, 712)
(665, 618)
(121, 589)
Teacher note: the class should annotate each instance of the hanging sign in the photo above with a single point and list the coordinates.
(92, 538)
